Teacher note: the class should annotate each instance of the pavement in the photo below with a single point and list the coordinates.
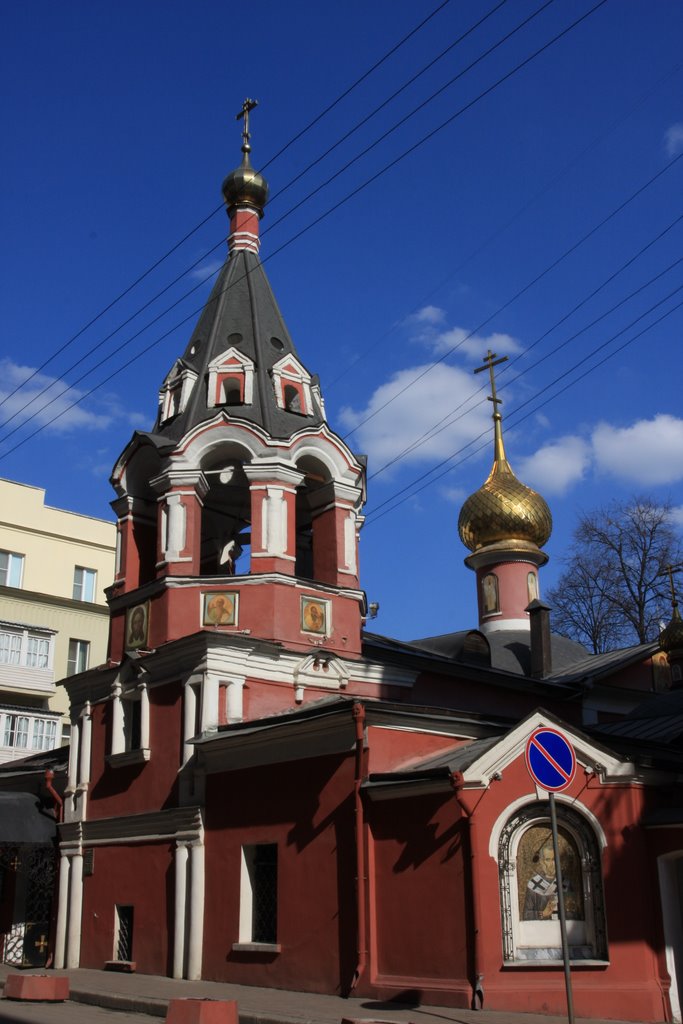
(149, 996)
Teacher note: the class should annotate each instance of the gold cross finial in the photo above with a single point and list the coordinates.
(247, 107)
(491, 360)
(669, 571)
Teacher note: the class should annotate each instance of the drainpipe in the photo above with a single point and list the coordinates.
(467, 807)
(49, 776)
(358, 712)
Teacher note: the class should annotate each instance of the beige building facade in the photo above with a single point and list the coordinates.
(54, 566)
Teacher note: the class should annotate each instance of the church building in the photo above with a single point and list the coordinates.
(261, 791)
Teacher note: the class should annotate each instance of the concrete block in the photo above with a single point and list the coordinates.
(37, 988)
(202, 1011)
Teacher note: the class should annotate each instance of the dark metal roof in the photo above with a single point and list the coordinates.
(241, 313)
(23, 820)
(659, 720)
(510, 649)
(595, 665)
(55, 759)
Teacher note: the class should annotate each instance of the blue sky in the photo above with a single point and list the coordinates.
(118, 129)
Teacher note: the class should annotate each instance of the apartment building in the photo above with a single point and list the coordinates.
(54, 566)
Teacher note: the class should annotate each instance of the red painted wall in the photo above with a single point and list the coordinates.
(419, 895)
(307, 809)
(139, 876)
(391, 749)
(140, 787)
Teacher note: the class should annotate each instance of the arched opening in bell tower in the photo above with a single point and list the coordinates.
(226, 516)
(313, 495)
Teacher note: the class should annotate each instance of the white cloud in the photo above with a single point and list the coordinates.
(475, 347)
(427, 315)
(649, 453)
(555, 467)
(46, 401)
(414, 412)
(206, 270)
(454, 495)
(673, 139)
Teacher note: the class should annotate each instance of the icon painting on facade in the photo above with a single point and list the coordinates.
(314, 615)
(219, 609)
(137, 626)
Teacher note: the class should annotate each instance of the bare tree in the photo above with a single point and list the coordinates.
(612, 591)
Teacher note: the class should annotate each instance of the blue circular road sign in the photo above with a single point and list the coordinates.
(550, 759)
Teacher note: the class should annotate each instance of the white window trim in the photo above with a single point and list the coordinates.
(180, 376)
(25, 633)
(299, 375)
(246, 943)
(32, 718)
(221, 365)
(21, 559)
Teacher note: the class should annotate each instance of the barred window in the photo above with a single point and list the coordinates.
(258, 906)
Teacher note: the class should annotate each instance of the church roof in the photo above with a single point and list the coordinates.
(242, 314)
(509, 649)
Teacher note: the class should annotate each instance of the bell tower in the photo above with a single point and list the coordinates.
(239, 511)
(504, 524)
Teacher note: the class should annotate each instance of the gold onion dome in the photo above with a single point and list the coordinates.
(246, 186)
(671, 637)
(503, 509)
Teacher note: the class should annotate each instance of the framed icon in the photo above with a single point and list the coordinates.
(315, 615)
(219, 608)
(137, 626)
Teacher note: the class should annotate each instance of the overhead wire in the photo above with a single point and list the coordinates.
(392, 163)
(138, 280)
(270, 227)
(517, 295)
(450, 417)
(402, 494)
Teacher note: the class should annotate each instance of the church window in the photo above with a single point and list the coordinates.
(292, 385)
(176, 391)
(528, 888)
(11, 569)
(258, 896)
(489, 594)
(123, 933)
(231, 379)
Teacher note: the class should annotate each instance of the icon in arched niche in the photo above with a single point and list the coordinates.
(489, 593)
(532, 586)
(537, 876)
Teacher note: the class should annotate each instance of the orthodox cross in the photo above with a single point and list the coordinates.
(15, 863)
(247, 107)
(669, 571)
(491, 360)
(41, 945)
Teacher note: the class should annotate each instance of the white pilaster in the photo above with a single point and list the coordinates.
(209, 714)
(74, 747)
(86, 745)
(144, 715)
(189, 719)
(62, 907)
(179, 920)
(118, 742)
(73, 944)
(194, 958)
(235, 697)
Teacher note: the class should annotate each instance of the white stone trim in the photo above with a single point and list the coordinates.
(220, 364)
(531, 798)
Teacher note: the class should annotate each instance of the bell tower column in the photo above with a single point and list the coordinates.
(179, 522)
(273, 485)
(136, 542)
(335, 534)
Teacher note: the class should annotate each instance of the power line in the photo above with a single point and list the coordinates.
(273, 225)
(392, 163)
(373, 515)
(451, 418)
(516, 296)
(138, 280)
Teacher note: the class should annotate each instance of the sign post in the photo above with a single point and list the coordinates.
(551, 762)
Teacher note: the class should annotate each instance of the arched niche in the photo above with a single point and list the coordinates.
(226, 512)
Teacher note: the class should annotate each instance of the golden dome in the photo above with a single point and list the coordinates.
(246, 186)
(503, 509)
(671, 637)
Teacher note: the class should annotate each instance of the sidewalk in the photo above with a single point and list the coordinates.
(142, 993)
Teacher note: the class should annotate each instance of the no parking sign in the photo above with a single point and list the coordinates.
(550, 759)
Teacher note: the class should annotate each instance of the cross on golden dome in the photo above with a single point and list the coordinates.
(247, 107)
(491, 359)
